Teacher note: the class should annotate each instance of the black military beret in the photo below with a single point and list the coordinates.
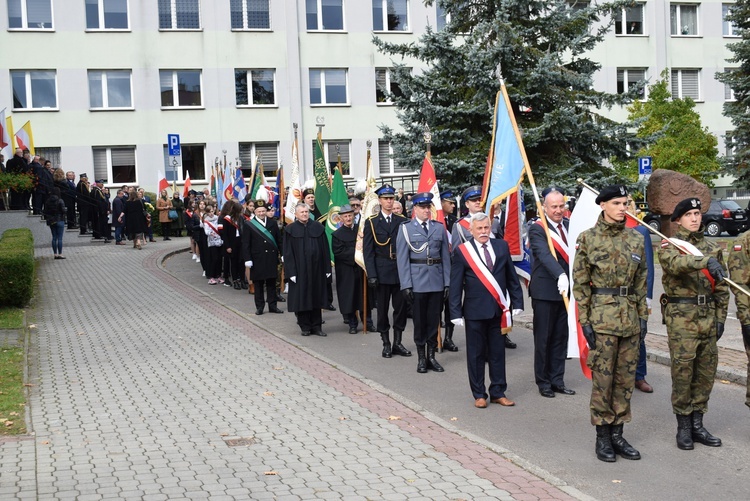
(610, 192)
(686, 205)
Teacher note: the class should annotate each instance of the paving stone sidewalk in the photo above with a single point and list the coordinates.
(144, 389)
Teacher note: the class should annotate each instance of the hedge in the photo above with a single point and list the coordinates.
(16, 267)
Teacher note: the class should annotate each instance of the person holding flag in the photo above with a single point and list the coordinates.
(609, 285)
(738, 262)
(694, 302)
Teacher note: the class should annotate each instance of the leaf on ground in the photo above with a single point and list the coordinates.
(45, 442)
(29, 384)
(8, 424)
(267, 393)
(725, 381)
(394, 418)
(360, 393)
(616, 481)
(223, 434)
(342, 418)
(454, 419)
(270, 473)
(278, 368)
(81, 333)
(32, 326)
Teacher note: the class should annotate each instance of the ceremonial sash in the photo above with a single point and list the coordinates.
(213, 228)
(257, 226)
(557, 242)
(485, 276)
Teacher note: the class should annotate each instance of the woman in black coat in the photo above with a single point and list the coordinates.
(135, 219)
(230, 220)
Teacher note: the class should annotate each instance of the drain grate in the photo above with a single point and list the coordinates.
(239, 442)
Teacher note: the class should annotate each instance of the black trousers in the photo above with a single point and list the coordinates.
(96, 227)
(385, 294)
(71, 215)
(550, 342)
(264, 288)
(426, 317)
(105, 229)
(485, 345)
(211, 259)
(310, 320)
(83, 217)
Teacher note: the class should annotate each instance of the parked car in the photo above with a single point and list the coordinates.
(648, 217)
(725, 215)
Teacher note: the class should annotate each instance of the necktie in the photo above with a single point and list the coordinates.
(487, 257)
(424, 225)
(387, 219)
(562, 233)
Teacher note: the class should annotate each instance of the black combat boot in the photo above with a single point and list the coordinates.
(604, 450)
(684, 435)
(398, 348)
(433, 364)
(421, 360)
(386, 344)
(621, 446)
(448, 341)
(236, 284)
(700, 434)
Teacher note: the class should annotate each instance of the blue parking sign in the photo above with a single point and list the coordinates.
(173, 144)
(644, 166)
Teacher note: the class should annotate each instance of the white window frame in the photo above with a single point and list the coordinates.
(249, 77)
(728, 91)
(25, 17)
(247, 163)
(108, 150)
(679, 7)
(626, 84)
(245, 26)
(319, 13)
(388, 82)
(384, 6)
(728, 29)
(624, 32)
(175, 92)
(173, 13)
(105, 97)
(100, 5)
(29, 95)
(680, 72)
(331, 163)
(323, 100)
(390, 161)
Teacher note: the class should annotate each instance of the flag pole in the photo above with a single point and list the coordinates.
(428, 154)
(364, 272)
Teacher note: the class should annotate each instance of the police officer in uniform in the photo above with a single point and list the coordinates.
(379, 248)
(695, 304)
(739, 270)
(609, 274)
(424, 270)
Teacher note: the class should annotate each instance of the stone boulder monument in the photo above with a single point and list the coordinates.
(666, 188)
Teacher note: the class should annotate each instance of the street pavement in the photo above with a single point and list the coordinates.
(147, 383)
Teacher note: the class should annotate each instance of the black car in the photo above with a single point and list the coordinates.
(649, 217)
(725, 215)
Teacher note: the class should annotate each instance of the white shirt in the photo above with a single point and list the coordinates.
(489, 249)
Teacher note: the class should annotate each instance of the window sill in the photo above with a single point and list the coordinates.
(330, 105)
(256, 106)
(395, 32)
(252, 30)
(37, 30)
(109, 30)
(686, 36)
(170, 108)
(179, 29)
(34, 110)
(343, 32)
(111, 109)
(731, 36)
(632, 35)
(385, 104)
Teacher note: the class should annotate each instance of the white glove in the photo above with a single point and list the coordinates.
(248, 264)
(648, 303)
(282, 259)
(458, 322)
(563, 284)
(516, 312)
(328, 275)
(293, 279)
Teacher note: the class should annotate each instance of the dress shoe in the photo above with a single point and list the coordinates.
(563, 390)
(305, 333)
(119, 243)
(320, 333)
(547, 392)
(352, 330)
(330, 307)
(275, 310)
(480, 403)
(280, 299)
(370, 327)
(259, 311)
(510, 344)
(644, 386)
(151, 240)
(505, 402)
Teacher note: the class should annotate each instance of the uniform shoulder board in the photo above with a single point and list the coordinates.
(373, 216)
(577, 246)
(664, 244)
(737, 247)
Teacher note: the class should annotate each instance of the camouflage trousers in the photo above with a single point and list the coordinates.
(612, 365)
(746, 340)
(694, 359)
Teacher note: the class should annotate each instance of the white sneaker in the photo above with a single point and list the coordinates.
(194, 257)
(197, 260)
(204, 273)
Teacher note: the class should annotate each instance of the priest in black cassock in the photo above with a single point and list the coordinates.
(307, 263)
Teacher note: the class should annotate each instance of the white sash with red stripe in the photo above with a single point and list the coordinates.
(557, 242)
(469, 251)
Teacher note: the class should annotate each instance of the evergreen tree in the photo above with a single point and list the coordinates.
(540, 48)
(738, 79)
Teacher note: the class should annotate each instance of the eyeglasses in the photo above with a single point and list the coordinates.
(356, 205)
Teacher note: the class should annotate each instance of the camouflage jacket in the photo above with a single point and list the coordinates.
(682, 277)
(609, 255)
(739, 271)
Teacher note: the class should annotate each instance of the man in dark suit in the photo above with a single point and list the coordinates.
(83, 200)
(379, 249)
(69, 197)
(484, 292)
(549, 281)
(260, 251)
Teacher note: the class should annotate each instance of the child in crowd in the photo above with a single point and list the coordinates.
(212, 228)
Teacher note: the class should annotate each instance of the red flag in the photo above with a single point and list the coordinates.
(163, 183)
(186, 189)
(428, 183)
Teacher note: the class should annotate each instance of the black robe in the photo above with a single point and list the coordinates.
(307, 258)
(258, 249)
(348, 273)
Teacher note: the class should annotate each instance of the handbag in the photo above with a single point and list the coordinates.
(172, 214)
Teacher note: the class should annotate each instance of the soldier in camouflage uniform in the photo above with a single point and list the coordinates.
(609, 274)
(694, 309)
(739, 271)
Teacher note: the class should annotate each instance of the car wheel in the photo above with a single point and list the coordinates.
(655, 224)
(713, 229)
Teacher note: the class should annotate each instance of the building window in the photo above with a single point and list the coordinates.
(385, 86)
(390, 15)
(179, 15)
(115, 164)
(53, 154)
(250, 14)
(683, 19)
(328, 87)
(192, 160)
(331, 152)
(261, 92)
(34, 90)
(728, 91)
(386, 163)
(110, 89)
(629, 20)
(728, 27)
(325, 14)
(443, 18)
(106, 14)
(267, 154)
(685, 83)
(628, 78)
(180, 88)
(30, 14)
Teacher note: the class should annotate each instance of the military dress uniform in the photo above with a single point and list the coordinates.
(609, 274)
(694, 310)
(423, 257)
(739, 271)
